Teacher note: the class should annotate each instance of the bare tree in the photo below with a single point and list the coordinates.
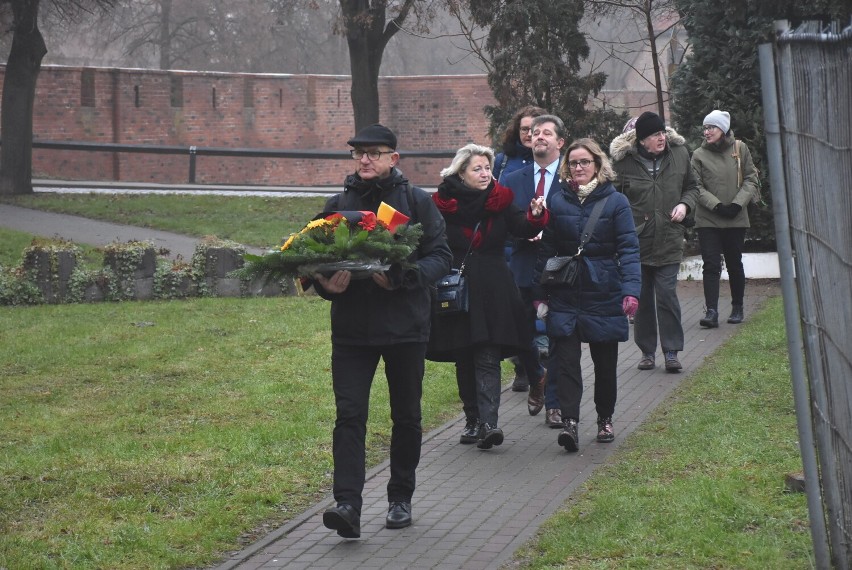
(19, 84)
(648, 21)
(168, 32)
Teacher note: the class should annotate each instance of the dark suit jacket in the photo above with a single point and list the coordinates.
(523, 255)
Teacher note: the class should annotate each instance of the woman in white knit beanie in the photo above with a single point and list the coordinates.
(727, 180)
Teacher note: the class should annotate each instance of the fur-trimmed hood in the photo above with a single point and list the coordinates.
(625, 143)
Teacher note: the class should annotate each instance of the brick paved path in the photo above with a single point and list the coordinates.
(474, 508)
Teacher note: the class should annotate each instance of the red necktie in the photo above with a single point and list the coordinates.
(539, 190)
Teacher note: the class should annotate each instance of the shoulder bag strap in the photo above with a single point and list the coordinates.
(503, 167)
(589, 228)
(737, 154)
(464, 259)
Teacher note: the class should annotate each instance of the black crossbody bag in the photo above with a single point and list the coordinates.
(565, 270)
(452, 294)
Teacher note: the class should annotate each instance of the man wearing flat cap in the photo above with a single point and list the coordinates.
(385, 316)
(653, 170)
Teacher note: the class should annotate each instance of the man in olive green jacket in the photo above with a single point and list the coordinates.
(653, 170)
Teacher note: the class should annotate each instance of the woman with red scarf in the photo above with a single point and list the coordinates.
(480, 216)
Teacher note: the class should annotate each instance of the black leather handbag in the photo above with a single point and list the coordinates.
(565, 270)
(561, 270)
(452, 294)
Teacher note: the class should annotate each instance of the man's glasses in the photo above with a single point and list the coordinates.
(358, 154)
(526, 129)
(584, 163)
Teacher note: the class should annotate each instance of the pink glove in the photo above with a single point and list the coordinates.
(630, 305)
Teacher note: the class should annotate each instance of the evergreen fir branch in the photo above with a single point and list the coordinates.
(328, 241)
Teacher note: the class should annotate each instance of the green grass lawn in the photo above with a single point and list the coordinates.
(161, 434)
(165, 434)
(248, 220)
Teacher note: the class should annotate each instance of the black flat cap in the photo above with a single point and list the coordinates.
(374, 135)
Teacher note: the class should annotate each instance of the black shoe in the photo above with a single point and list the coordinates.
(736, 315)
(520, 384)
(399, 515)
(710, 320)
(569, 438)
(470, 432)
(344, 520)
(489, 436)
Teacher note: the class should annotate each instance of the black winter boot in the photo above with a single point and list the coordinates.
(710, 320)
(736, 315)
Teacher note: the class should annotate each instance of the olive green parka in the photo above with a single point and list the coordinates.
(652, 198)
(717, 174)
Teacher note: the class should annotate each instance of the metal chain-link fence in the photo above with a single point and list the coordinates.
(812, 87)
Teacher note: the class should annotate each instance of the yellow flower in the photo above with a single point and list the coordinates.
(288, 242)
(317, 224)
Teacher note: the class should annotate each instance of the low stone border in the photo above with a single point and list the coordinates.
(49, 273)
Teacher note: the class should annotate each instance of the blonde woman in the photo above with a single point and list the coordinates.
(480, 216)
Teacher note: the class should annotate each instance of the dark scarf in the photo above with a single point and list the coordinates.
(643, 152)
(520, 151)
(723, 144)
(374, 190)
(464, 206)
(649, 160)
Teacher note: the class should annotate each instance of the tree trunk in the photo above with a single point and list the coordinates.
(165, 42)
(19, 84)
(655, 61)
(367, 36)
(365, 83)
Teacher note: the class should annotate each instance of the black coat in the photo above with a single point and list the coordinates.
(366, 314)
(496, 315)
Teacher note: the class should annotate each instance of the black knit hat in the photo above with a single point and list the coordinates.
(647, 124)
(374, 135)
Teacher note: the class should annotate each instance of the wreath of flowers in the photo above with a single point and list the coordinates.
(333, 242)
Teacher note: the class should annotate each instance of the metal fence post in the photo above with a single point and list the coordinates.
(807, 443)
(192, 155)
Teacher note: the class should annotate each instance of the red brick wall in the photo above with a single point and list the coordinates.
(283, 112)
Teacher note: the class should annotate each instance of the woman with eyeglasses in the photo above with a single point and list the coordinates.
(596, 307)
(480, 215)
(727, 180)
(517, 142)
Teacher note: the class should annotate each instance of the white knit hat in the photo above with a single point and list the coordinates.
(717, 118)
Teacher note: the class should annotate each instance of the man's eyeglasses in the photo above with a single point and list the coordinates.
(584, 163)
(526, 129)
(358, 154)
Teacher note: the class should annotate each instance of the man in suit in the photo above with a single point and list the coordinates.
(537, 179)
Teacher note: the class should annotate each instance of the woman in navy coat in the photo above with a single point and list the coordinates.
(595, 308)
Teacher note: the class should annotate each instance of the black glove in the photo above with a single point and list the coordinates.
(729, 211)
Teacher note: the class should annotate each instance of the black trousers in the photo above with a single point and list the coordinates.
(352, 370)
(714, 243)
(478, 379)
(570, 378)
